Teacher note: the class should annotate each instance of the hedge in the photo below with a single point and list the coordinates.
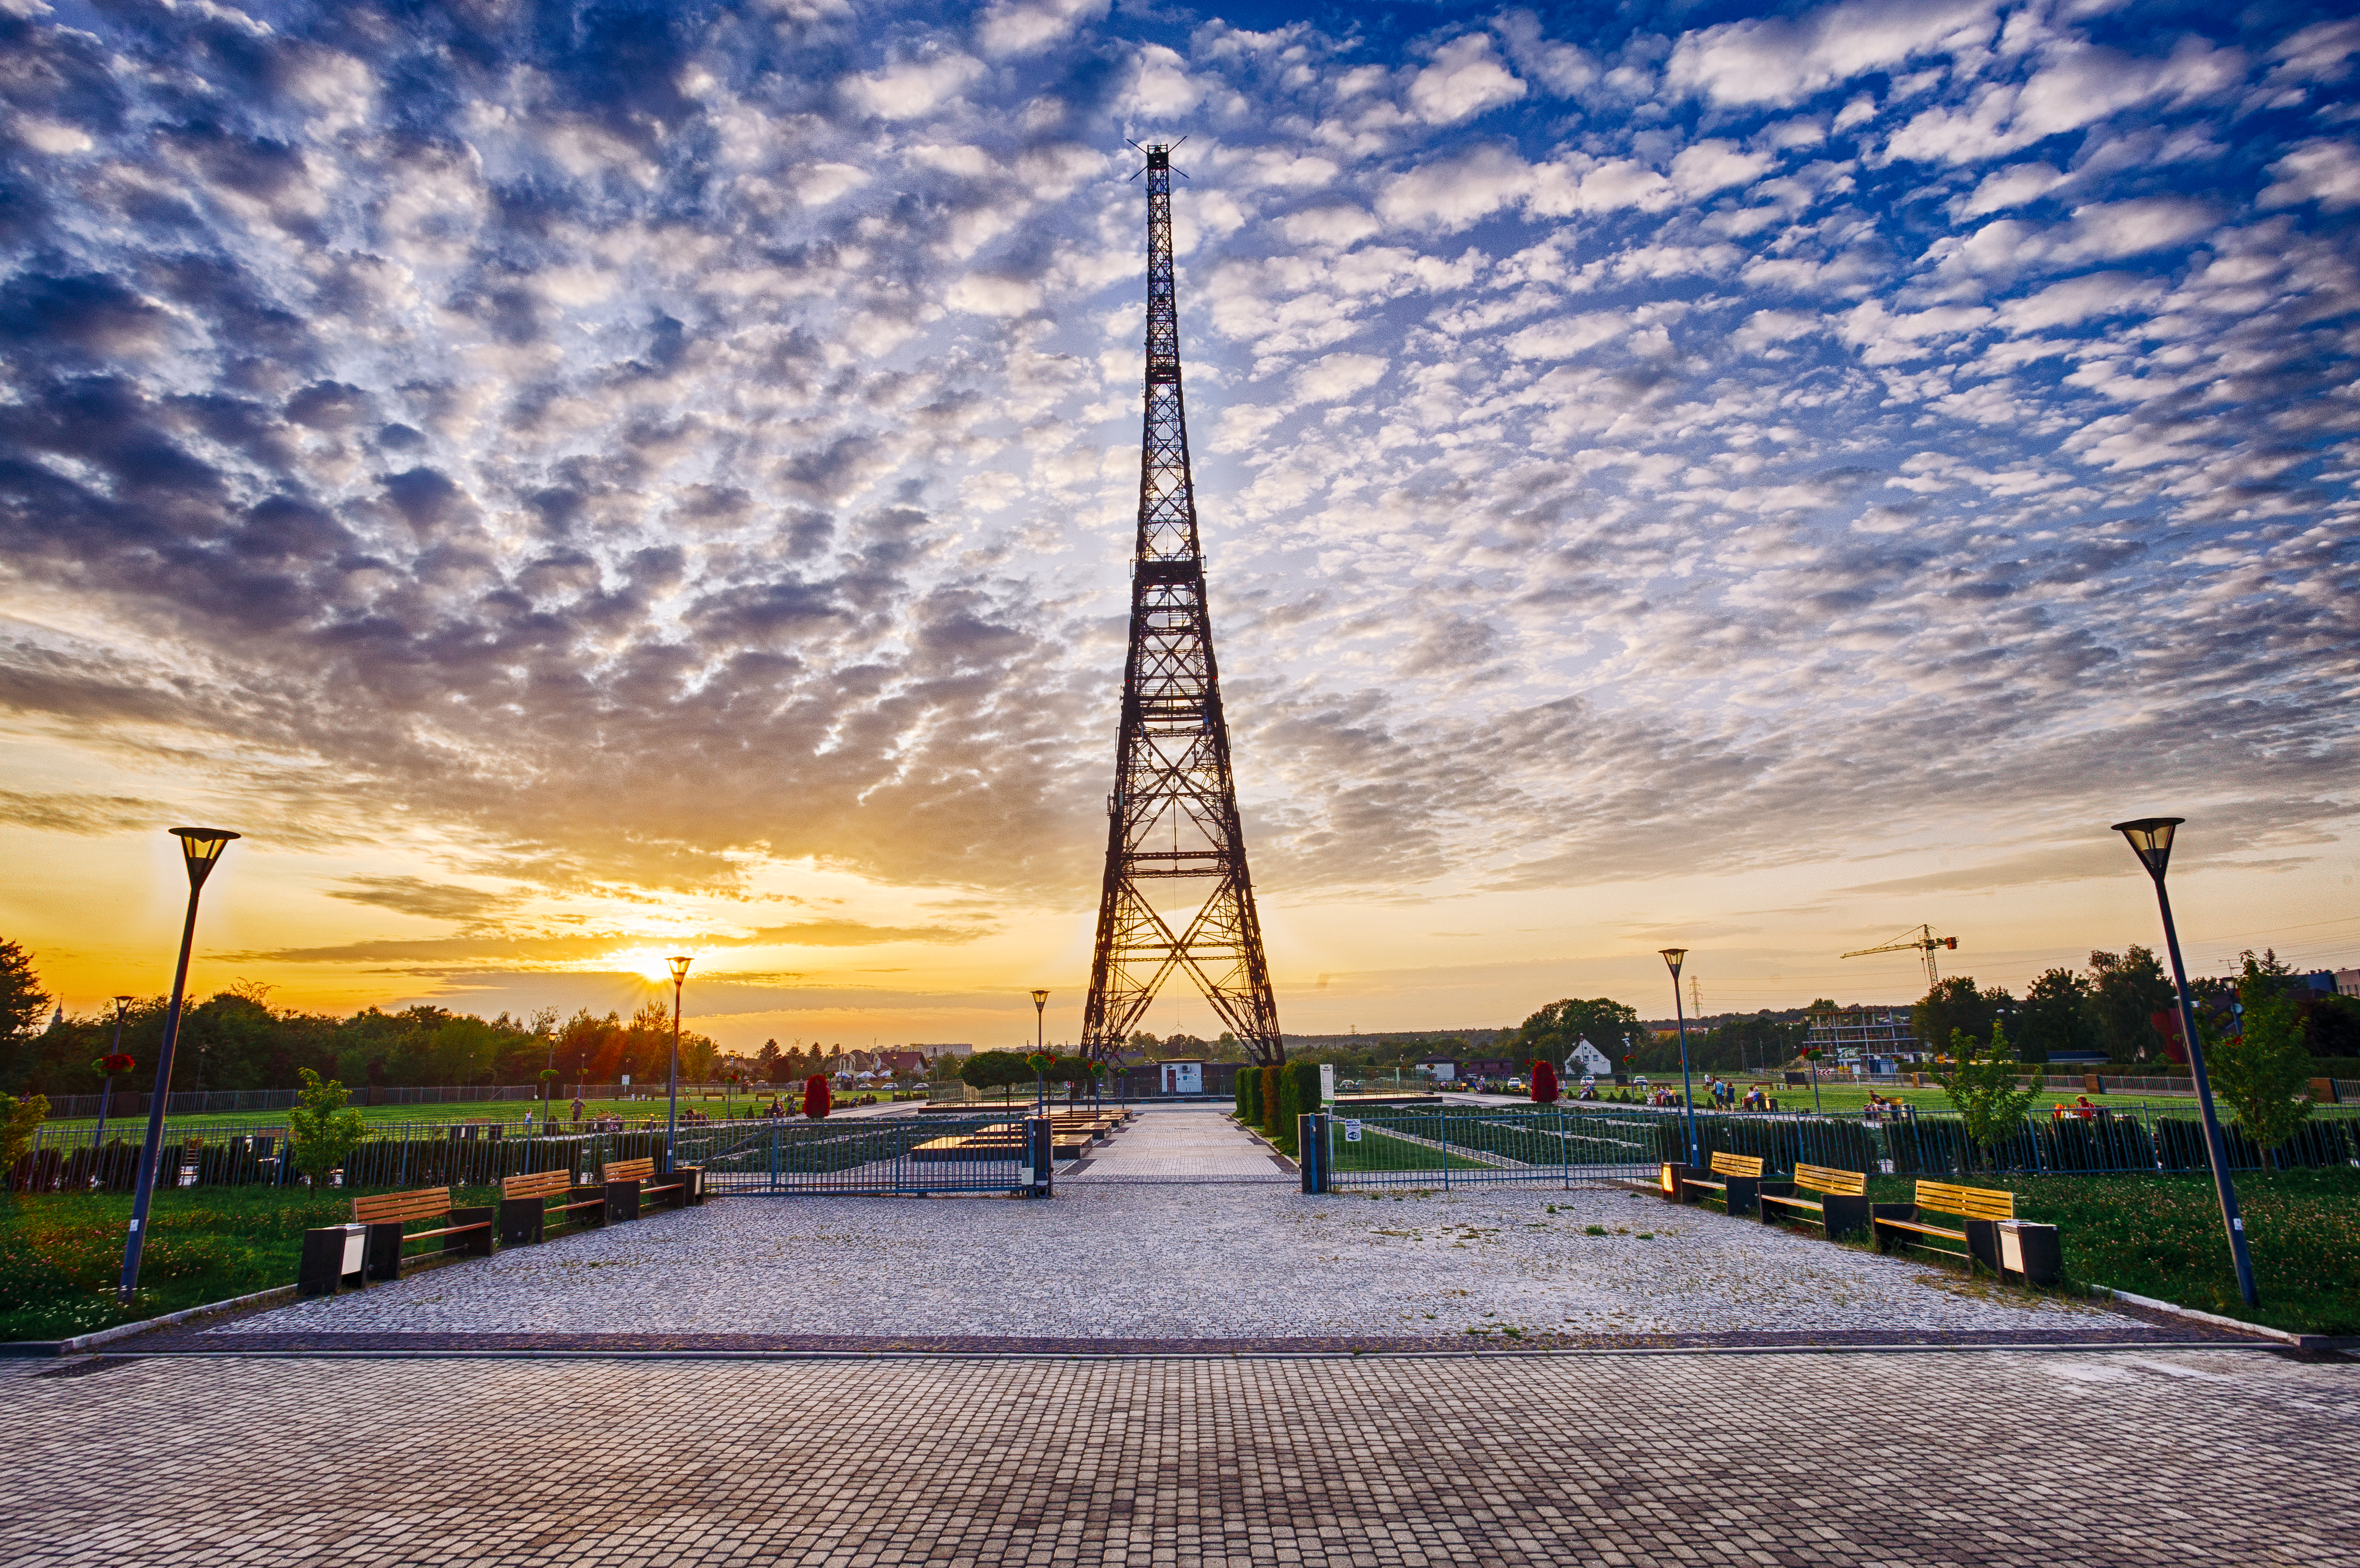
(1249, 1096)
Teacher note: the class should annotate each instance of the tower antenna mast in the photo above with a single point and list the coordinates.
(1172, 821)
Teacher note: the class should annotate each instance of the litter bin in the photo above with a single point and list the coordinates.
(2030, 1250)
(331, 1255)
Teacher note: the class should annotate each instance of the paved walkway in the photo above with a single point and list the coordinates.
(1156, 1265)
(2031, 1460)
(1182, 1145)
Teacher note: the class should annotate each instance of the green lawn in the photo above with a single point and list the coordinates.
(2161, 1237)
(1377, 1151)
(61, 1256)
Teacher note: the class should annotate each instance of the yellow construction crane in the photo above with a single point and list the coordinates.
(1924, 942)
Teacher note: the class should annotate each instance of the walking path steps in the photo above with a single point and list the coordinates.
(2058, 1459)
(1179, 1146)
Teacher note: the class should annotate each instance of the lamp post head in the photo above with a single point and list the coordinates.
(2150, 840)
(1672, 956)
(680, 962)
(200, 848)
(122, 1006)
(1040, 999)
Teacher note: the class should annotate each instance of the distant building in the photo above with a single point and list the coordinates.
(934, 1050)
(2347, 982)
(1587, 1060)
(1441, 1069)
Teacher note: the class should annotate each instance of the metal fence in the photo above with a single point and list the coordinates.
(1568, 1146)
(133, 1102)
(889, 1154)
(1395, 1146)
(940, 1153)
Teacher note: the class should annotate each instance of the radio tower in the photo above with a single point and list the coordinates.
(1173, 819)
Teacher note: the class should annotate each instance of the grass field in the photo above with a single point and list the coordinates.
(2161, 1237)
(61, 1256)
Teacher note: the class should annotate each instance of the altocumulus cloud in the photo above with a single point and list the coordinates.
(643, 442)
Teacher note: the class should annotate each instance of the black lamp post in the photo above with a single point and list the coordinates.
(106, 1083)
(1673, 957)
(201, 848)
(2150, 840)
(1040, 1048)
(680, 962)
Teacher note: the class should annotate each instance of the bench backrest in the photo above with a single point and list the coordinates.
(1833, 1183)
(1727, 1164)
(1971, 1202)
(631, 1170)
(397, 1208)
(539, 1184)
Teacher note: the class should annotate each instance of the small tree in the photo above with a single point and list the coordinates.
(18, 1119)
(321, 1131)
(994, 1070)
(1986, 1093)
(1544, 1082)
(816, 1099)
(2264, 1074)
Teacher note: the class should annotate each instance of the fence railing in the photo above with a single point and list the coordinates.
(886, 1154)
(226, 1102)
(1456, 1145)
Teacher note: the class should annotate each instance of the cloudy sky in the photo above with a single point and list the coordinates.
(577, 483)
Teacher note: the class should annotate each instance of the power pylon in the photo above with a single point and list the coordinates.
(1171, 821)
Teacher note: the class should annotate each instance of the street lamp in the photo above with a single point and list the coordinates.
(680, 962)
(2150, 840)
(1672, 957)
(106, 1075)
(201, 849)
(1039, 1047)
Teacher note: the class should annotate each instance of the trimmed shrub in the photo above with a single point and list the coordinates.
(816, 1098)
(1249, 1096)
(1266, 1096)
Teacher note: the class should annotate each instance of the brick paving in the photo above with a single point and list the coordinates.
(2054, 1459)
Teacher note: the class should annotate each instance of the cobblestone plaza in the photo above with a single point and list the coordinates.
(1207, 1369)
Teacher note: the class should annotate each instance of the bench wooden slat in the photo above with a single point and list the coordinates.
(1969, 1202)
(539, 1185)
(1794, 1202)
(631, 1170)
(1727, 1164)
(1927, 1229)
(400, 1208)
(1826, 1180)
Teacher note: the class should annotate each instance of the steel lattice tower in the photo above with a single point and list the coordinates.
(1173, 819)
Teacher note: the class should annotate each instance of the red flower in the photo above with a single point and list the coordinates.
(119, 1062)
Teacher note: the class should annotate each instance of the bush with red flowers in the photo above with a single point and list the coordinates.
(119, 1062)
(1543, 1083)
(815, 1100)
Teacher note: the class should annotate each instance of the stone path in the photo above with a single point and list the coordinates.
(1156, 1265)
(1182, 1145)
(2029, 1460)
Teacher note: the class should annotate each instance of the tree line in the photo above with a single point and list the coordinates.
(235, 1039)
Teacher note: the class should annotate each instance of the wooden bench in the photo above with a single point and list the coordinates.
(526, 1212)
(1978, 1208)
(627, 1187)
(1841, 1208)
(466, 1233)
(1740, 1185)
